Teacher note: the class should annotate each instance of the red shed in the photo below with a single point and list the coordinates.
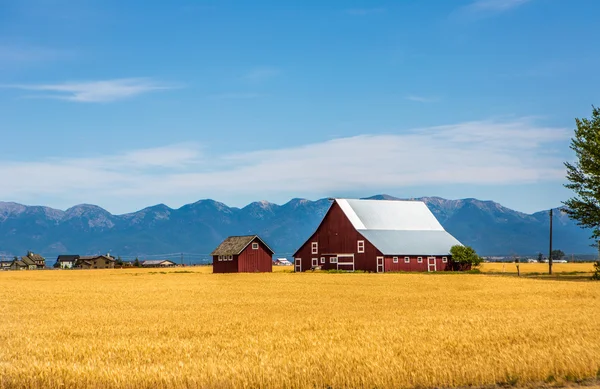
(377, 236)
(242, 254)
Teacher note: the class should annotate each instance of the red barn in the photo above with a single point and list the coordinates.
(377, 236)
(242, 254)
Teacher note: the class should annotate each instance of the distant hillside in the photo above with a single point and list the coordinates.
(197, 228)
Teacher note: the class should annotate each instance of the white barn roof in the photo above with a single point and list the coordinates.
(398, 227)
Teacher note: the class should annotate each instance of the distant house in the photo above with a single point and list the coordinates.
(29, 262)
(95, 262)
(282, 262)
(242, 254)
(67, 261)
(38, 260)
(158, 263)
(5, 265)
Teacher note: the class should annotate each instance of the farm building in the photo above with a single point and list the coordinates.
(95, 262)
(377, 236)
(5, 265)
(29, 262)
(242, 254)
(158, 263)
(67, 261)
(282, 262)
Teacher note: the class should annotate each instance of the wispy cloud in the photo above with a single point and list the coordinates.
(94, 91)
(482, 8)
(421, 99)
(261, 74)
(364, 11)
(470, 153)
(16, 54)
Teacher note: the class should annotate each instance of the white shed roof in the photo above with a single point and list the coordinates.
(389, 215)
(398, 227)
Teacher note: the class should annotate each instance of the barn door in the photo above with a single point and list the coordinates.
(380, 268)
(298, 263)
(431, 266)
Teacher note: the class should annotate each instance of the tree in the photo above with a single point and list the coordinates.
(136, 263)
(540, 257)
(557, 255)
(584, 174)
(596, 275)
(465, 257)
(119, 261)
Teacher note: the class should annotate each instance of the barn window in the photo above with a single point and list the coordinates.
(315, 248)
(254, 246)
(395, 259)
(315, 262)
(420, 259)
(361, 246)
(322, 259)
(230, 258)
(333, 260)
(220, 257)
(445, 259)
(406, 259)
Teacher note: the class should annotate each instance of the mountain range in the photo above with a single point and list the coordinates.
(196, 229)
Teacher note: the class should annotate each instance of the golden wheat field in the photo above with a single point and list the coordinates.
(172, 329)
(579, 267)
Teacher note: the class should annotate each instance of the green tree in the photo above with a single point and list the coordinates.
(596, 275)
(540, 257)
(136, 263)
(465, 257)
(584, 174)
(557, 255)
(119, 261)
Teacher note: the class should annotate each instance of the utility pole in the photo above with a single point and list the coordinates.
(550, 254)
(182, 259)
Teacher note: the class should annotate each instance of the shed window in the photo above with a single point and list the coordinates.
(333, 260)
(420, 259)
(406, 259)
(395, 259)
(445, 259)
(322, 259)
(315, 248)
(254, 246)
(360, 246)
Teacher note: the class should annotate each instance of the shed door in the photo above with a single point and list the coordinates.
(380, 265)
(298, 263)
(345, 262)
(431, 266)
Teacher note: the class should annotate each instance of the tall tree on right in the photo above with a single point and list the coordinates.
(584, 174)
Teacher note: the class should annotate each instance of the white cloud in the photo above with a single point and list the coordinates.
(421, 99)
(471, 153)
(12, 54)
(261, 74)
(95, 91)
(492, 6)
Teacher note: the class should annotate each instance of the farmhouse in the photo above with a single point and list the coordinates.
(377, 236)
(67, 261)
(5, 265)
(158, 263)
(243, 254)
(95, 262)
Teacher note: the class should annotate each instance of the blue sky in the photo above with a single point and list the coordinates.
(130, 104)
